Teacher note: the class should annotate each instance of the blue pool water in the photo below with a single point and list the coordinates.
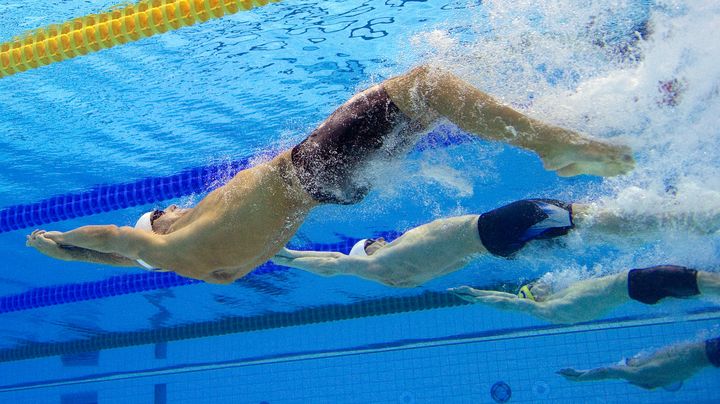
(241, 88)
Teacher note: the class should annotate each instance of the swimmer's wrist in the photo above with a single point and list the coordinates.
(56, 236)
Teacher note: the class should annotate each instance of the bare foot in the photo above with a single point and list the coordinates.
(585, 156)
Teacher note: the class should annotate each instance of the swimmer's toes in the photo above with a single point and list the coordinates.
(615, 169)
(553, 164)
(621, 155)
(570, 170)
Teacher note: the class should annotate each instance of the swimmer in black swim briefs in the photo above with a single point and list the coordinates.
(592, 298)
(387, 119)
(667, 367)
(446, 245)
(241, 225)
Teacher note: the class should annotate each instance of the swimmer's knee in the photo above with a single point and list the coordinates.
(425, 73)
(418, 72)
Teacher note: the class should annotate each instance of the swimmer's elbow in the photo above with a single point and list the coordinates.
(216, 281)
(390, 275)
(403, 284)
(557, 317)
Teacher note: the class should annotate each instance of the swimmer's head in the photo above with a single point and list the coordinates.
(159, 221)
(367, 246)
(536, 291)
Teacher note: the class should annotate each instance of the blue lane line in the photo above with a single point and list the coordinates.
(110, 197)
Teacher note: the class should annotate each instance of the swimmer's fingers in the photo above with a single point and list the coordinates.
(53, 235)
(295, 254)
(35, 233)
(284, 253)
(42, 243)
(463, 291)
(470, 294)
(30, 240)
(570, 374)
(283, 257)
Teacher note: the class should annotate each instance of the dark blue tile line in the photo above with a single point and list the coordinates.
(236, 324)
(373, 307)
(138, 283)
(110, 197)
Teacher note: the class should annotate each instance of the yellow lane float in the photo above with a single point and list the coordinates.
(121, 25)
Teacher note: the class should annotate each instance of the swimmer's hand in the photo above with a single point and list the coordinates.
(465, 292)
(573, 154)
(285, 256)
(325, 263)
(572, 374)
(39, 240)
(479, 296)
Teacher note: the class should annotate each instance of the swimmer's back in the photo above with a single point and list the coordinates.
(241, 225)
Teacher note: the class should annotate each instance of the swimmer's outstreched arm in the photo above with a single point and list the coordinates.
(582, 301)
(669, 365)
(323, 263)
(110, 239)
(48, 247)
(506, 301)
(421, 254)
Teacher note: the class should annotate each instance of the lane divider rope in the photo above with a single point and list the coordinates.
(120, 25)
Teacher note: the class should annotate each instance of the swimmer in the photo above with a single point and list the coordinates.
(590, 299)
(666, 368)
(241, 225)
(446, 245)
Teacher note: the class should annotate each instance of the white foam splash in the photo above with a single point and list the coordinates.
(579, 67)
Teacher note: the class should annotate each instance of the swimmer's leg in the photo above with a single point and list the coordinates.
(607, 220)
(708, 283)
(427, 91)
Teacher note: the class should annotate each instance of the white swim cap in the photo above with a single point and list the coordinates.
(359, 249)
(144, 224)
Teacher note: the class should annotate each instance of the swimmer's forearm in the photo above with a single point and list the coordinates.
(507, 301)
(104, 239)
(318, 262)
(95, 257)
(96, 238)
(604, 373)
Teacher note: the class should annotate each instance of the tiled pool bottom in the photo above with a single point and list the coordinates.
(444, 355)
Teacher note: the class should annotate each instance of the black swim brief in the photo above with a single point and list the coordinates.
(507, 229)
(712, 350)
(649, 285)
(329, 162)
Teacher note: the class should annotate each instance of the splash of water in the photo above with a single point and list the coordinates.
(624, 71)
